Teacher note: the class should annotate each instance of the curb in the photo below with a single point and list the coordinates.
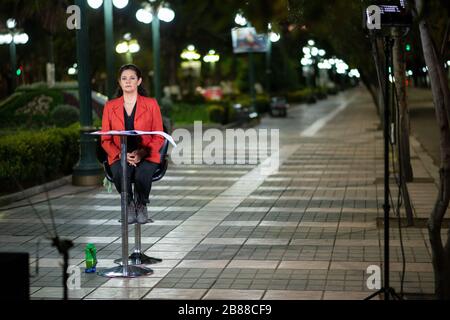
(5, 200)
(426, 159)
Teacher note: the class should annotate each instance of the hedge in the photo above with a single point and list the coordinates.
(37, 156)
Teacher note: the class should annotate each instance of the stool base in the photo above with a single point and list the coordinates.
(132, 272)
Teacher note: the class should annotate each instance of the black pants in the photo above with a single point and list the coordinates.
(141, 175)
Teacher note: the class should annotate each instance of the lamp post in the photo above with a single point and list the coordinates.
(87, 171)
(128, 46)
(239, 19)
(191, 63)
(212, 57)
(109, 38)
(271, 37)
(13, 36)
(151, 13)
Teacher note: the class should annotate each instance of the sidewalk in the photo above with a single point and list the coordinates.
(227, 232)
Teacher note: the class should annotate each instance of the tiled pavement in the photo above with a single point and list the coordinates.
(308, 231)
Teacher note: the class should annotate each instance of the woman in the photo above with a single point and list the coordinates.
(132, 110)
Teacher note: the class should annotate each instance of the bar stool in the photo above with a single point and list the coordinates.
(138, 257)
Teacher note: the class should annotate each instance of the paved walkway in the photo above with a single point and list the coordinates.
(308, 231)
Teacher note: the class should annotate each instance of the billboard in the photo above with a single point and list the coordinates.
(247, 40)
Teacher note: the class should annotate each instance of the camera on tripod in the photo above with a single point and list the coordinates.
(387, 13)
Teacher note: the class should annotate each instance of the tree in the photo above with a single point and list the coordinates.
(339, 23)
(51, 15)
(441, 100)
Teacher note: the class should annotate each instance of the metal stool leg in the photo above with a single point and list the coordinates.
(125, 270)
(137, 257)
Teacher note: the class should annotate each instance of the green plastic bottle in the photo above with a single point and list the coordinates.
(91, 258)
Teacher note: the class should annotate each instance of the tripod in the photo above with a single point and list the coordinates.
(387, 291)
(63, 247)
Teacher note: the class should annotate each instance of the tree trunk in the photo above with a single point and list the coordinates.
(441, 99)
(400, 86)
(402, 120)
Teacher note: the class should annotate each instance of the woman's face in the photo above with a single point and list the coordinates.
(129, 81)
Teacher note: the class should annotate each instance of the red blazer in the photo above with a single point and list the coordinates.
(147, 118)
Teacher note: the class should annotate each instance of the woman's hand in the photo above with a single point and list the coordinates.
(136, 156)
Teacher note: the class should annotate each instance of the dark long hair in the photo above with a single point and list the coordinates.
(141, 90)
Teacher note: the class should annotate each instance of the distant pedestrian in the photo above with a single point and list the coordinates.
(133, 110)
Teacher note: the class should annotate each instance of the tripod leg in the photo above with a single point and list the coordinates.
(394, 294)
(375, 294)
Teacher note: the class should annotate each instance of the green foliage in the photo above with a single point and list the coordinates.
(185, 113)
(305, 95)
(64, 115)
(31, 109)
(36, 156)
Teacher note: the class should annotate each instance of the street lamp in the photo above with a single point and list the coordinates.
(212, 57)
(128, 46)
(191, 65)
(109, 37)
(72, 70)
(272, 37)
(87, 171)
(147, 15)
(13, 36)
(240, 20)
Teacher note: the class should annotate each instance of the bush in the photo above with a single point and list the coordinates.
(305, 95)
(64, 115)
(185, 113)
(216, 114)
(30, 109)
(33, 157)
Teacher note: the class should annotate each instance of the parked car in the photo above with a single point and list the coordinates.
(278, 106)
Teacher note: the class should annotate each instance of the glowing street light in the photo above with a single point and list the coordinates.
(72, 70)
(119, 4)
(95, 4)
(190, 53)
(128, 46)
(240, 19)
(11, 23)
(274, 37)
(211, 57)
(166, 14)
